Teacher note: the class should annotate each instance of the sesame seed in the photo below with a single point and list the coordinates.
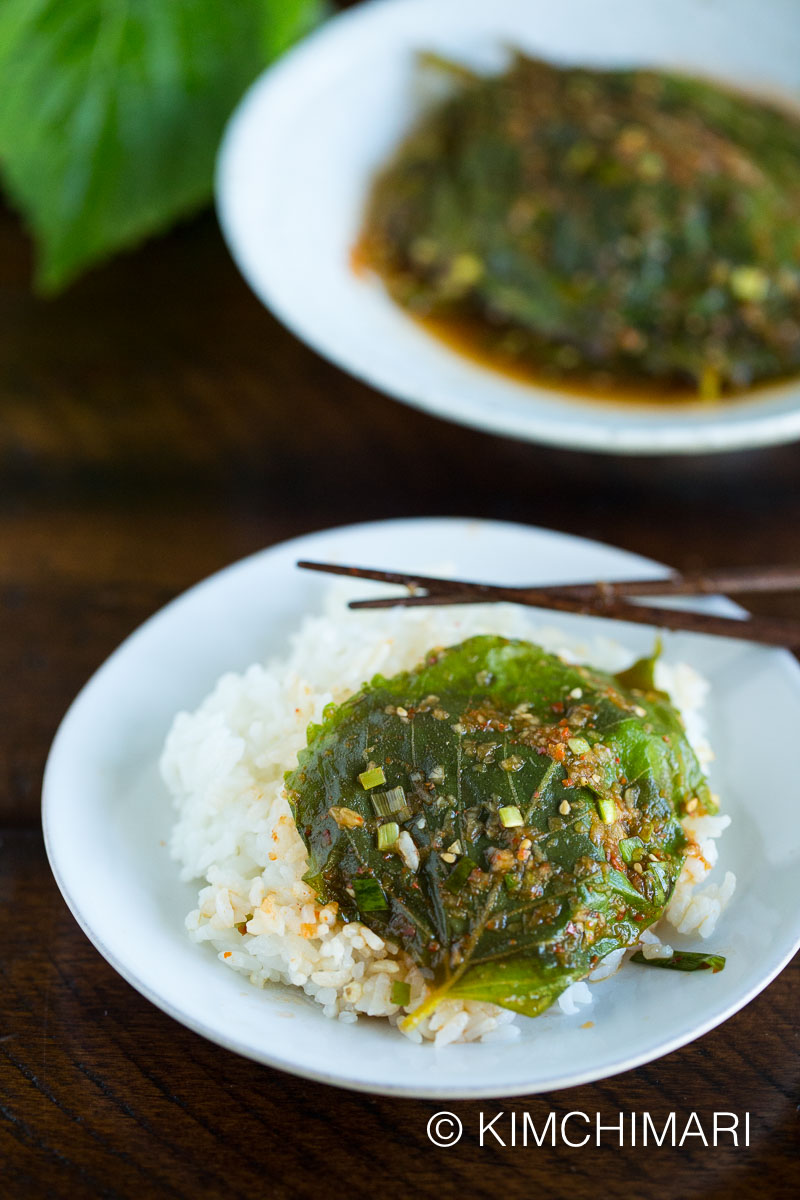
(448, 857)
(638, 868)
(576, 693)
(564, 807)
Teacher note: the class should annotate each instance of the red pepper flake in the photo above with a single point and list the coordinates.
(570, 928)
(557, 706)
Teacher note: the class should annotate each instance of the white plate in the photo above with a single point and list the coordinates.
(107, 818)
(303, 145)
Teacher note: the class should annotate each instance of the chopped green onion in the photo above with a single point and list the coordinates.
(388, 835)
(510, 816)
(381, 804)
(372, 778)
(658, 873)
(631, 849)
(618, 881)
(579, 745)
(401, 993)
(607, 809)
(460, 874)
(386, 804)
(510, 882)
(369, 895)
(683, 960)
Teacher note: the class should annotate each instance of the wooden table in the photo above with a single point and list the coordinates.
(157, 423)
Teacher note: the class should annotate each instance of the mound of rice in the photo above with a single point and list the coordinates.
(224, 766)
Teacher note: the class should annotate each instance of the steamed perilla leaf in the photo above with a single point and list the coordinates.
(581, 221)
(112, 112)
(511, 777)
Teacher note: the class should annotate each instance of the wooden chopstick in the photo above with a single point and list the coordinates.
(603, 599)
(732, 580)
(773, 631)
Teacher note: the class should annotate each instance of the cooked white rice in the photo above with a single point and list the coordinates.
(224, 766)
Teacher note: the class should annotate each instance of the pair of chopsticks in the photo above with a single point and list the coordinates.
(600, 599)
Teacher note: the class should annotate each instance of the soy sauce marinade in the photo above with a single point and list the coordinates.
(599, 227)
(505, 818)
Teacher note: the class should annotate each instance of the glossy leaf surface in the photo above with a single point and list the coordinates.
(510, 914)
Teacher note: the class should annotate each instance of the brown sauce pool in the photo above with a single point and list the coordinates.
(467, 337)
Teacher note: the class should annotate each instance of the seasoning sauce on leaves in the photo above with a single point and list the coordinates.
(599, 227)
(533, 811)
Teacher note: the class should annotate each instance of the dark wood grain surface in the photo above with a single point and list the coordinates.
(157, 423)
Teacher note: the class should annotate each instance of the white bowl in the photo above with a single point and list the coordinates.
(301, 149)
(107, 819)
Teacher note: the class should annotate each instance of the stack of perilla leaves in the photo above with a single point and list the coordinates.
(505, 818)
(636, 223)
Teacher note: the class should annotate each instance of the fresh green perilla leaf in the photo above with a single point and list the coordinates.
(683, 960)
(112, 112)
(516, 886)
